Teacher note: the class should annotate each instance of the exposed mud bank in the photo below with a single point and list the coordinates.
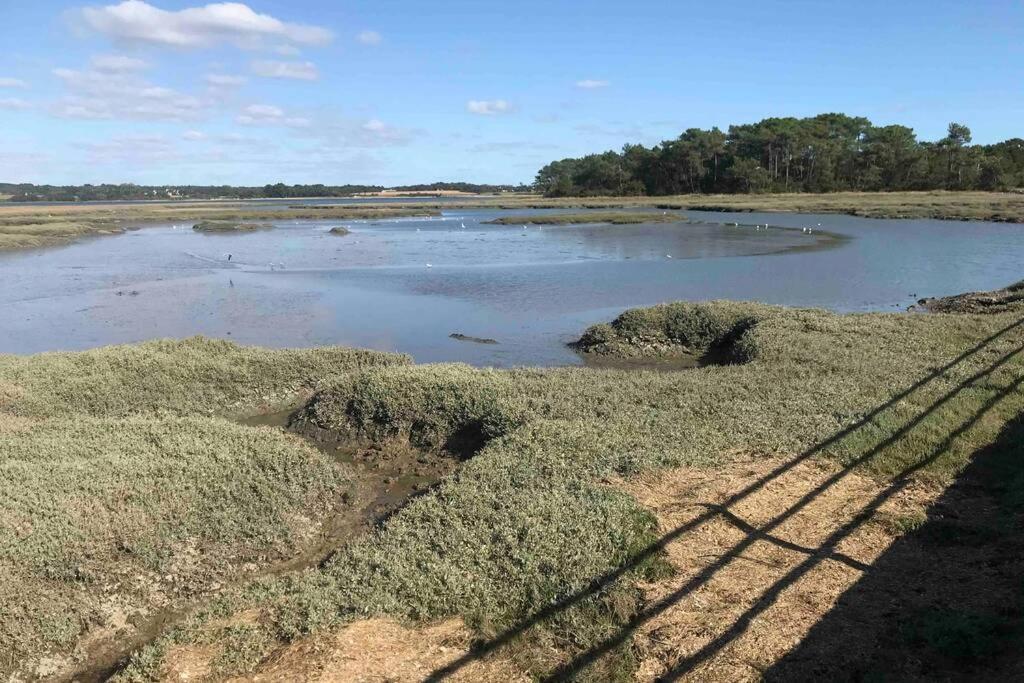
(1009, 298)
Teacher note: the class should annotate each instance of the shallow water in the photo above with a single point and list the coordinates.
(407, 284)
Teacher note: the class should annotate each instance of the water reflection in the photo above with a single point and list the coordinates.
(531, 288)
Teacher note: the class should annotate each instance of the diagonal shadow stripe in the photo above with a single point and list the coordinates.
(769, 597)
(583, 660)
(601, 582)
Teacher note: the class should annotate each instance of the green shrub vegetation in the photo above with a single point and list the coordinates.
(229, 226)
(122, 491)
(530, 518)
(100, 512)
(823, 153)
(186, 377)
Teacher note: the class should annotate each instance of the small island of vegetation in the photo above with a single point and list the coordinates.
(230, 226)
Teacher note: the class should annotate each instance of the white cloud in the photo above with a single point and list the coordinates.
(139, 150)
(376, 133)
(303, 71)
(14, 104)
(94, 94)
(488, 107)
(287, 50)
(369, 38)
(592, 84)
(341, 134)
(269, 115)
(116, 64)
(12, 83)
(193, 135)
(225, 80)
(233, 23)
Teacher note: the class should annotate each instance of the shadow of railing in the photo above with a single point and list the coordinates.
(764, 533)
(768, 598)
(945, 600)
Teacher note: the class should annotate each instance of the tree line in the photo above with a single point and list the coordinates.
(824, 153)
(26, 192)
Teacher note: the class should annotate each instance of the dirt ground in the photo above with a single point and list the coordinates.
(681, 619)
(368, 651)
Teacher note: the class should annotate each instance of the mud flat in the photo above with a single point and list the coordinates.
(612, 217)
(1003, 300)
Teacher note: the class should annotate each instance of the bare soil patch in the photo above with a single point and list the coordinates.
(367, 651)
(680, 628)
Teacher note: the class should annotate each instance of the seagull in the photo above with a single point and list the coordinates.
(430, 265)
(668, 255)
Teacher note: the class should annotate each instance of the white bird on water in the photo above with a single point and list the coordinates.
(463, 226)
(430, 265)
(668, 255)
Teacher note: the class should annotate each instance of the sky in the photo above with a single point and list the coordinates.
(390, 92)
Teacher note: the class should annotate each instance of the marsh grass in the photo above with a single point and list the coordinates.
(944, 205)
(530, 518)
(229, 226)
(26, 226)
(185, 377)
(95, 512)
(121, 493)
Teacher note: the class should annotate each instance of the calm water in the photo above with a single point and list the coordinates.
(406, 284)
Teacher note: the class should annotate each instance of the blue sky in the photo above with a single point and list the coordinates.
(397, 91)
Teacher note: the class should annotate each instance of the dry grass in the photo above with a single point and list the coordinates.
(983, 206)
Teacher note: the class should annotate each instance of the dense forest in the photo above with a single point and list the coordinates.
(130, 191)
(824, 153)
